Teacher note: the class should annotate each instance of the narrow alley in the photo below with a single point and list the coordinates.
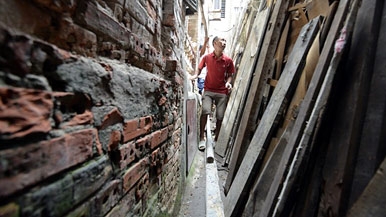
(100, 108)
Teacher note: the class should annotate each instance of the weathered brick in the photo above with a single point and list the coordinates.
(146, 123)
(24, 166)
(83, 210)
(24, 112)
(142, 187)
(57, 6)
(156, 161)
(137, 11)
(127, 153)
(169, 20)
(138, 45)
(107, 198)
(113, 117)
(71, 36)
(136, 127)
(158, 137)
(91, 177)
(127, 206)
(171, 65)
(59, 197)
(133, 174)
(114, 141)
(141, 145)
(80, 119)
(101, 23)
(25, 16)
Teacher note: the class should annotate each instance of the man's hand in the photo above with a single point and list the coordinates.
(228, 85)
(192, 77)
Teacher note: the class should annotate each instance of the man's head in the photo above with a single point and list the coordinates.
(219, 43)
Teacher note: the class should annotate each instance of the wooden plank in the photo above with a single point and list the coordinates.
(338, 12)
(317, 8)
(241, 84)
(286, 85)
(311, 95)
(301, 89)
(343, 145)
(372, 201)
(279, 56)
(259, 33)
(266, 55)
(372, 66)
(263, 183)
(300, 159)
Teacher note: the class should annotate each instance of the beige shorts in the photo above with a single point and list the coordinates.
(220, 100)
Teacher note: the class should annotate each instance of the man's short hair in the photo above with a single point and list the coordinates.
(214, 40)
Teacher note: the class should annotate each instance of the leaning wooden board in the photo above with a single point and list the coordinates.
(372, 201)
(283, 90)
(308, 102)
(300, 159)
(267, 52)
(240, 85)
(253, 46)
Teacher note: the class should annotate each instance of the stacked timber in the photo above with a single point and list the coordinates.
(304, 131)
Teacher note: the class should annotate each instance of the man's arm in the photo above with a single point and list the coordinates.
(228, 84)
(196, 74)
(204, 47)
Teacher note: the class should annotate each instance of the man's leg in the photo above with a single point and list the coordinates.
(203, 121)
(217, 130)
(221, 101)
(206, 108)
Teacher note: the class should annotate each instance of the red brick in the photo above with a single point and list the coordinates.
(115, 139)
(81, 119)
(127, 154)
(156, 161)
(25, 166)
(126, 206)
(100, 22)
(70, 36)
(142, 187)
(158, 137)
(60, 7)
(108, 197)
(25, 16)
(113, 117)
(141, 145)
(138, 45)
(24, 112)
(98, 145)
(155, 157)
(137, 127)
(171, 65)
(131, 177)
(146, 123)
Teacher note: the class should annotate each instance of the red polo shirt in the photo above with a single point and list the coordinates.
(218, 70)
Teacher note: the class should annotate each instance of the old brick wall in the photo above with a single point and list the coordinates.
(90, 110)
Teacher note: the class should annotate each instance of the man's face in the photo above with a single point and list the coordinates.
(220, 43)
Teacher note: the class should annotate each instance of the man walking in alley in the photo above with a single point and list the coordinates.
(220, 69)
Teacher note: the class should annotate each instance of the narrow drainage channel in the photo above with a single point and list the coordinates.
(204, 193)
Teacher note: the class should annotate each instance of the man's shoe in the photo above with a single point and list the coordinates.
(202, 145)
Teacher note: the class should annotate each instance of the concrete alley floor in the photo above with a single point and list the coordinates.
(194, 198)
